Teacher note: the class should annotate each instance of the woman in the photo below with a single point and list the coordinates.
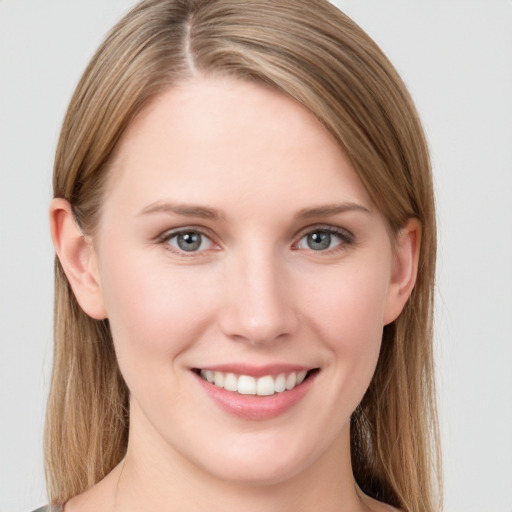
(245, 232)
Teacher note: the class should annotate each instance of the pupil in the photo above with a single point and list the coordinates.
(189, 241)
(319, 240)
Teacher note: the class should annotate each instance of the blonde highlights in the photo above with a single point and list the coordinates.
(310, 51)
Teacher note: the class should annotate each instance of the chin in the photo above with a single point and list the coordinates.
(255, 473)
(262, 458)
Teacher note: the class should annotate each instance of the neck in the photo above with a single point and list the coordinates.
(156, 477)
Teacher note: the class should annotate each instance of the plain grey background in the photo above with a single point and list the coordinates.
(456, 57)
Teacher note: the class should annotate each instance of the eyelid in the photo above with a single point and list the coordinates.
(167, 235)
(344, 234)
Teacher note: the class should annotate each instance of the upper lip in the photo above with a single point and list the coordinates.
(256, 371)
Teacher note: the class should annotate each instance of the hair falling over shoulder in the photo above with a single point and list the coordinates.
(310, 51)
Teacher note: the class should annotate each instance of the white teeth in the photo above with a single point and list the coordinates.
(280, 384)
(219, 379)
(301, 376)
(265, 386)
(248, 385)
(231, 382)
(291, 380)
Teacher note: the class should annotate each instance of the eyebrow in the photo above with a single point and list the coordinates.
(205, 212)
(186, 210)
(329, 210)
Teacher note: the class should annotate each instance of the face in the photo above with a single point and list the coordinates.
(246, 276)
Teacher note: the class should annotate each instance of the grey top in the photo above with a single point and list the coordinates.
(50, 508)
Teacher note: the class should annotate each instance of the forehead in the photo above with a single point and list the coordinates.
(202, 110)
(213, 136)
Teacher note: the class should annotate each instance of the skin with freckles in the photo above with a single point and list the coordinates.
(235, 232)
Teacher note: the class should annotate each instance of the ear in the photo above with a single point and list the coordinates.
(404, 269)
(77, 257)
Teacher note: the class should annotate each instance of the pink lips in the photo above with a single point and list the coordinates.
(252, 407)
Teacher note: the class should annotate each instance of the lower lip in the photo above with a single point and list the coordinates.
(253, 407)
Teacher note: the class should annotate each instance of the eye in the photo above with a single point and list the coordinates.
(323, 239)
(188, 241)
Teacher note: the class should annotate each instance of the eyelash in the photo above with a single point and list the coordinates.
(345, 236)
(346, 239)
(166, 237)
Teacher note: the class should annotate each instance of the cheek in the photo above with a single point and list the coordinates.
(153, 309)
(348, 318)
(352, 306)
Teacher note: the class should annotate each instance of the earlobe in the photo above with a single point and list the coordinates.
(77, 257)
(404, 270)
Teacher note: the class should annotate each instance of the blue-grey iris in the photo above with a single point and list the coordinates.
(319, 240)
(189, 241)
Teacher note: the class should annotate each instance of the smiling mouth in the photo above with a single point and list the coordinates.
(265, 385)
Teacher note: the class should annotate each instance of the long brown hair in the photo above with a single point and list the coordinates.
(310, 51)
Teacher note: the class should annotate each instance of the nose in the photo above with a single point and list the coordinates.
(259, 306)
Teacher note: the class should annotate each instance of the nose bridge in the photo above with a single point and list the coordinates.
(259, 308)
